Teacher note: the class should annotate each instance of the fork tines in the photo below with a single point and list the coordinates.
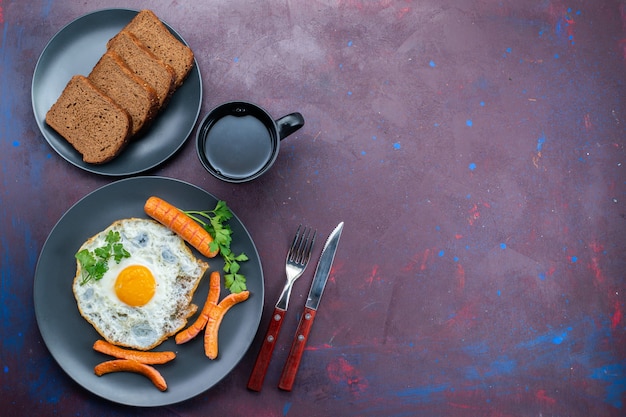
(300, 249)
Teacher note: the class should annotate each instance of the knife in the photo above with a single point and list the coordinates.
(310, 309)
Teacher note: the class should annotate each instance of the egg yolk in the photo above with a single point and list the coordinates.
(135, 285)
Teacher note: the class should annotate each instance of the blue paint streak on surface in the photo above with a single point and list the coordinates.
(501, 366)
(558, 28)
(475, 349)
(41, 386)
(421, 395)
(286, 408)
(469, 122)
(472, 166)
(550, 338)
(540, 142)
(47, 6)
(614, 375)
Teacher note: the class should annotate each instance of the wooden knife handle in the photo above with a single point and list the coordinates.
(297, 349)
(255, 382)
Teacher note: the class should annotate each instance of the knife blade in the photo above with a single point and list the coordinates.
(322, 272)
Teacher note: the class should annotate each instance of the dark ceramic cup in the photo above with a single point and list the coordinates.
(239, 141)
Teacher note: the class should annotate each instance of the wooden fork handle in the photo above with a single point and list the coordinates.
(297, 349)
(255, 383)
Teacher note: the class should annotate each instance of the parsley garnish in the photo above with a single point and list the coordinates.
(218, 227)
(95, 264)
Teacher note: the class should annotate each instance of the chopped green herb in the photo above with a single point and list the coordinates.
(95, 264)
(216, 223)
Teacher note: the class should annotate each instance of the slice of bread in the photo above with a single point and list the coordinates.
(144, 64)
(129, 91)
(90, 121)
(149, 29)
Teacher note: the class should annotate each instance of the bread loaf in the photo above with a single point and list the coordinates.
(132, 93)
(149, 29)
(144, 64)
(90, 121)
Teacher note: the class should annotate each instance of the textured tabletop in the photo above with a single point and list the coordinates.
(474, 150)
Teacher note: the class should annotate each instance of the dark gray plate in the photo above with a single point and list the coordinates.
(69, 337)
(75, 49)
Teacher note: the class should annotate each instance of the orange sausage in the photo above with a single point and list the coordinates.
(216, 315)
(149, 358)
(129, 365)
(211, 302)
(181, 224)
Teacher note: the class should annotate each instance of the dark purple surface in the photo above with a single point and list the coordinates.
(475, 151)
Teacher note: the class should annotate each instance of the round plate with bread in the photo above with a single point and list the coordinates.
(83, 59)
(69, 337)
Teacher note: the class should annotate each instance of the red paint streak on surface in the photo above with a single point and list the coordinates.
(594, 265)
(420, 259)
(1, 13)
(403, 12)
(474, 403)
(570, 27)
(596, 247)
(474, 215)
(426, 256)
(373, 275)
(542, 396)
(323, 346)
(474, 212)
(587, 120)
(458, 236)
(460, 275)
(617, 316)
(341, 371)
(464, 406)
(464, 316)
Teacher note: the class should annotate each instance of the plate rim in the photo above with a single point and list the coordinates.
(98, 168)
(57, 354)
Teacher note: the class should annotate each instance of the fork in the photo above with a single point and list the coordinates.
(295, 264)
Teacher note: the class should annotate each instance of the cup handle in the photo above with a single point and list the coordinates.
(288, 124)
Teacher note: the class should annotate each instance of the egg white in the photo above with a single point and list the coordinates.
(177, 274)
